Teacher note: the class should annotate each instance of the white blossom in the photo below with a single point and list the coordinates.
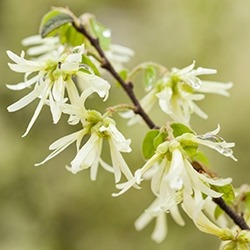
(177, 92)
(43, 48)
(174, 181)
(51, 77)
(153, 212)
(118, 55)
(89, 154)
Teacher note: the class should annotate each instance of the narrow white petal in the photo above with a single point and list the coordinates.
(59, 146)
(23, 85)
(124, 187)
(198, 182)
(67, 140)
(58, 89)
(34, 117)
(83, 157)
(201, 221)
(119, 163)
(94, 168)
(106, 166)
(146, 216)
(186, 69)
(23, 101)
(175, 213)
(160, 230)
(72, 92)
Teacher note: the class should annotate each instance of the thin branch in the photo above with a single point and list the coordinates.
(128, 87)
(238, 219)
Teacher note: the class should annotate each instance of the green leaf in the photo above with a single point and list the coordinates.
(149, 76)
(227, 191)
(180, 129)
(218, 212)
(247, 200)
(200, 157)
(123, 74)
(160, 138)
(54, 20)
(228, 197)
(148, 148)
(70, 36)
(190, 148)
(102, 33)
(86, 60)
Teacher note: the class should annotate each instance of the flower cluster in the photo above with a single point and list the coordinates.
(51, 77)
(174, 179)
(98, 128)
(176, 92)
(66, 69)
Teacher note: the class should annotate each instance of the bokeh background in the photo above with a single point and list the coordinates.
(48, 208)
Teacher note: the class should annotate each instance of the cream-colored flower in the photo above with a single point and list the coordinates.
(154, 212)
(174, 181)
(88, 155)
(51, 77)
(177, 92)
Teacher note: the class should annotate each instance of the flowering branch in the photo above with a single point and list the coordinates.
(128, 87)
(65, 73)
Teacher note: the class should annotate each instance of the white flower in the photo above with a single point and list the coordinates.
(118, 55)
(50, 79)
(153, 211)
(43, 48)
(178, 90)
(147, 102)
(174, 180)
(199, 218)
(211, 140)
(89, 154)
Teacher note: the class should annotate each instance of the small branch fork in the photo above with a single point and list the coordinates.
(128, 88)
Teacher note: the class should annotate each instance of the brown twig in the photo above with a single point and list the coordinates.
(238, 219)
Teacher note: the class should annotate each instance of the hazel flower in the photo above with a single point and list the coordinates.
(98, 128)
(51, 78)
(177, 92)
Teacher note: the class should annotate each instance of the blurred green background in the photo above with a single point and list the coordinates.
(48, 208)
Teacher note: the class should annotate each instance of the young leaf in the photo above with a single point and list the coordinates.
(149, 76)
(160, 138)
(123, 74)
(102, 33)
(227, 191)
(190, 148)
(89, 63)
(180, 129)
(247, 200)
(70, 36)
(217, 212)
(200, 157)
(148, 148)
(54, 20)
